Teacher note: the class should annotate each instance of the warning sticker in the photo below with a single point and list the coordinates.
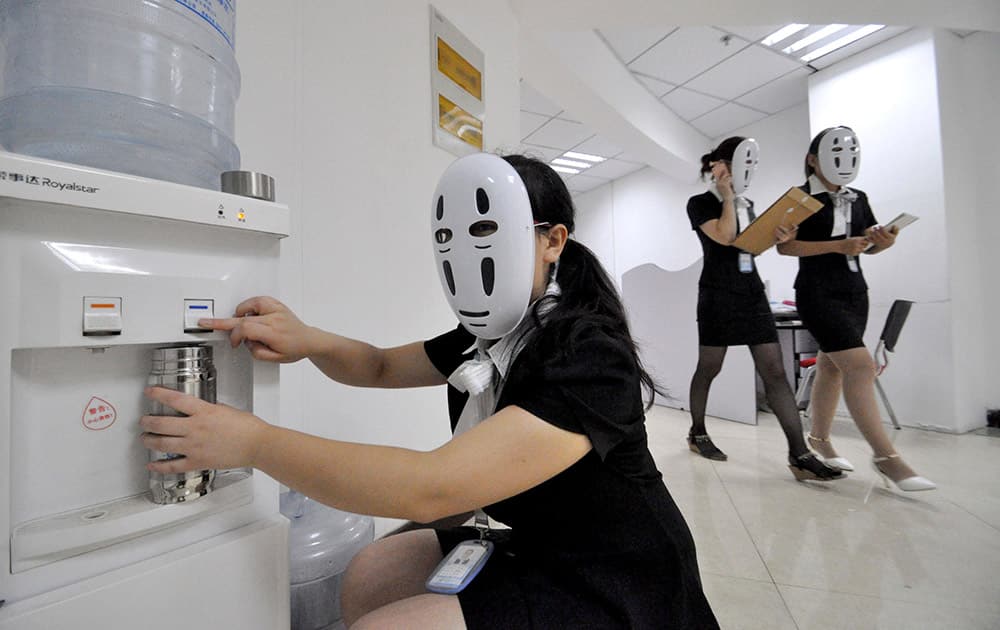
(99, 414)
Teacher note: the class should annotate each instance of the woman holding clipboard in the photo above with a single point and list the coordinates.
(733, 309)
(832, 299)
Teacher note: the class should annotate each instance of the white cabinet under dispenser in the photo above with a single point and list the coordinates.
(98, 272)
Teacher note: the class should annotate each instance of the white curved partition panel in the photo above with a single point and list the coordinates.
(661, 307)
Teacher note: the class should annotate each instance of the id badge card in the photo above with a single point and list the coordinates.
(460, 567)
(852, 263)
(746, 262)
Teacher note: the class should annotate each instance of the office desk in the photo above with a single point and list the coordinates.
(796, 344)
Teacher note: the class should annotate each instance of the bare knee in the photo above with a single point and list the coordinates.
(826, 365)
(388, 570)
(355, 596)
(855, 365)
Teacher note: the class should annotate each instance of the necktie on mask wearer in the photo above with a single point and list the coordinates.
(843, 200)
(742, 205)
(483, 376)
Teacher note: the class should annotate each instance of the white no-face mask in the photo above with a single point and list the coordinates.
(744, 164)
(484, 243)
(839, 155)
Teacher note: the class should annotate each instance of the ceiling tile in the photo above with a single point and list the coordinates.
(782, 93)
(626, 157)
(630, 43)
(657, 87)
(534, 101)
(752, 33)
(688, 104)
(612, 169)
(743, 72)
(583, 183)
(687, 52)
(854, 48)
(545, 154)
(564, 115)
(725, 119)
(530, 122)
(560, 134)
(596, 145)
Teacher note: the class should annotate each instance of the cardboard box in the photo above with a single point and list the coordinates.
(794, 207)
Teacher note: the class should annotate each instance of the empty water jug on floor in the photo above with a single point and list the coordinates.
(321, 543)
(146, 87)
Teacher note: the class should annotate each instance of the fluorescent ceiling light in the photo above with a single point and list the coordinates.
(565, 169)
(822, 33)
(783, 33)
(573, 163)
(584, 156)
(850, 38)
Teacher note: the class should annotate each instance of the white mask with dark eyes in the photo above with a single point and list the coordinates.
(839, 155)
(744, 164)
(484, 243)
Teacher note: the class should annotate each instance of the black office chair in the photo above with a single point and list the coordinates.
(894, 321)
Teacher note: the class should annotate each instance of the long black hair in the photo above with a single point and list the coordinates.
(724, 151)
(588, 294)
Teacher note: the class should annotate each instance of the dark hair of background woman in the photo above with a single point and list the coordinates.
(814, 148)
(724, 151)
(588, 294)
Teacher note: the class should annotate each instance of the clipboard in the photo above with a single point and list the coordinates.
(900, 222)
(792, 208)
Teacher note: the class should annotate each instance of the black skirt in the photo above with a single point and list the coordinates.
(730, 318)
(522, 588)
(837, 319)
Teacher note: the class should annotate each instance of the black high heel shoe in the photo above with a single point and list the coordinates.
(702, 444)
(808, 466)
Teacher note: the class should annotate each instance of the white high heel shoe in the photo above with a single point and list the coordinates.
(835, 462)
(910, 484)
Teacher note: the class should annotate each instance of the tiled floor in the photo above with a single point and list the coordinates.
(775, 553)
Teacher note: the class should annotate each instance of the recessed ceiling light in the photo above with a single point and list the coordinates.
(572, 163)
(584, 156)
(850, 38)
(822, 33)
(783, 33)
(565, 169)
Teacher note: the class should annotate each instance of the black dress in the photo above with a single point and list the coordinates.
(732, 306)
(831, 299)
(601, 544)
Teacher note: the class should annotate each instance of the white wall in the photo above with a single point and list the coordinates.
(595, 225)
(965, 252)
(972, 168)
(980, 56)
(336, 104)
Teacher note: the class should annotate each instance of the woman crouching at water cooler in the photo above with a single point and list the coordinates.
(832, 299)
(732, 306)
(545, 398)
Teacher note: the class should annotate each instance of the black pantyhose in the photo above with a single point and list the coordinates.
(767, 360)
(709, 363)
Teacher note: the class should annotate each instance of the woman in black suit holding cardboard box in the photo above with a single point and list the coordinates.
(832, 298)
(733, 309)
